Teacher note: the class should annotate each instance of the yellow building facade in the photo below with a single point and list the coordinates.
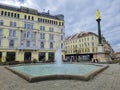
(27, 34)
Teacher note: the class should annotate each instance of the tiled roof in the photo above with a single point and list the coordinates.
(79, 35)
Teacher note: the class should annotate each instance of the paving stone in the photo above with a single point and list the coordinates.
(106, 80)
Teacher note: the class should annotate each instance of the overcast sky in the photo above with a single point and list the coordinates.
(80, 15)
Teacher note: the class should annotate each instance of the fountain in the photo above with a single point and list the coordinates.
(39, 72)
(58, 57)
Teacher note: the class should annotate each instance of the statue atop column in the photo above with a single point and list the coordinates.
(98, 15)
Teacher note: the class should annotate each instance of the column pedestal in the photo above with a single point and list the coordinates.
(101, 55)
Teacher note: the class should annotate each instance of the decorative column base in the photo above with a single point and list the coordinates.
(101, 55)
(100, 48)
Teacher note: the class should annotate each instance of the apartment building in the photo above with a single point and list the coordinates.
(26, 33)
(84, 46)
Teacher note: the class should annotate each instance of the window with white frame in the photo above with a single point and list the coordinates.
(42, 45)
(42, 28)
(11, 43)
(13, 24)
(61, 37)
(51, 36)
(51, 45)
(28, 35)
(51, 29)
(61, 45)
(27, 43)
(0, 42)
(42, 35)
(62, 30)
(1, 31)
(1, 22)
(28, 25)
(12, 33)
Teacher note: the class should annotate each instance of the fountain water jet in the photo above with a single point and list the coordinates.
(58, 57)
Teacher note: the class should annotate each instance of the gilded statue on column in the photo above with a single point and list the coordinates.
(98, 15)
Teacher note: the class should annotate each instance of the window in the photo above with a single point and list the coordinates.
(61, 30)
(51, 29)
(27, 43)
(0, 42)
(42, 28)
(39, 19)
(32, 35)
(12, 33)
(28, 34)
(25, 17)
(51, 45)
(62, 37)
(92, 38)
(5, 13)
(28, 25)
(28, 17)
(59, 23)
(51, 37)
(1, 22)
(31, 26)
(18, 15)
(88, 38)
(62, 24)
(13, 24)
(11, 14)
(42, 45)
(42, 35)
(62, 45)
(32, 18)
(15, 15)
(2, 13)
(8, 13)
(11, 43)
(0, 32)
(93, 44)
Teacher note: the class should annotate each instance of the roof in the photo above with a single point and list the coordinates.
(27, 10)
(79, 35)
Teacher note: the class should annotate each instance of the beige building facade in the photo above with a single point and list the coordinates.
(84, 46)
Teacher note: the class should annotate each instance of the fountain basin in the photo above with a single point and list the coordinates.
(34, 73)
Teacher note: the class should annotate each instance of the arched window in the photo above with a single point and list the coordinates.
(2, 12)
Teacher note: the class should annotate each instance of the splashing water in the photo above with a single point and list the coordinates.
(58, 57)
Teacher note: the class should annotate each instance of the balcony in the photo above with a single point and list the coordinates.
(7, 48)
(28, 48)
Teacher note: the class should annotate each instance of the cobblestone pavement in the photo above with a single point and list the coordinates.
(106, 80)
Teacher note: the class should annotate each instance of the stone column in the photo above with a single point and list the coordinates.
(46, 56)
(3, 56)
